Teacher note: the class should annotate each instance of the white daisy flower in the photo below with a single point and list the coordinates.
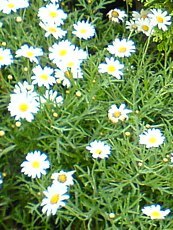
(84, 30)
(99, 149)
(43, 76)
(6, 57)
(138, 15)
(23, 106)
(145, 26)
(116, 15)
(52, 29)
(131, 25)
(61, 51)
(122, 48)
(53, 96)
(52, 14)
(62, 79)
(1, 180)
(63, 178)
(115, 114)
(171, 157)
(29, 52)
(151, 138)
(7, 6)
(35, 165)
(155, 212)
(55, 197)
(160, 18)
(112, 67)
(24, 87)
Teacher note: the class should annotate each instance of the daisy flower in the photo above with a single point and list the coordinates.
(84, 30)
(60, 51)
(71, 62)
(35, 165)
(171, 156)
(138, 15)
(6, 57)
(160, 18)
(62, 79)
(155, 212)
(52, 29)
(23, 106)
(99, 149)
(151, 138)
(115, 114)
(145, 26)
(1, 180)
(29, 52)
(63, 178)
(7, 6)
(55, 197)
(52, 14)
(43, 76)
(24, 87)
(116, 15)
(131, 25)
(53, 96)
(122, 48)
(112, 67)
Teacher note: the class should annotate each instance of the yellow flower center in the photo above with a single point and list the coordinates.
(53, 14)
(145, 27)
(117, 114)
(98, 151)
(1, 58)
(144, 16)
(29, 54)
(115, 14)
(62, 178)
(152, 140)
(44, 77)
(111, 68)
(23, 107)
(156, 214)
(160, 19)
(122, 49)
(10, 5)
(63, 52)
(52, 29)
(36, 164)
(70, 64)
(54, 199)
(83, 31)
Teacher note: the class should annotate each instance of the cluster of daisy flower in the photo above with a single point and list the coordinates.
(35, 166)
(145, 21)
(26, 101)
(8, 6)
(120, 48)
(51, 19)
(68, 59)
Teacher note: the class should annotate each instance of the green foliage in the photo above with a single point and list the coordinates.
(163, 39)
